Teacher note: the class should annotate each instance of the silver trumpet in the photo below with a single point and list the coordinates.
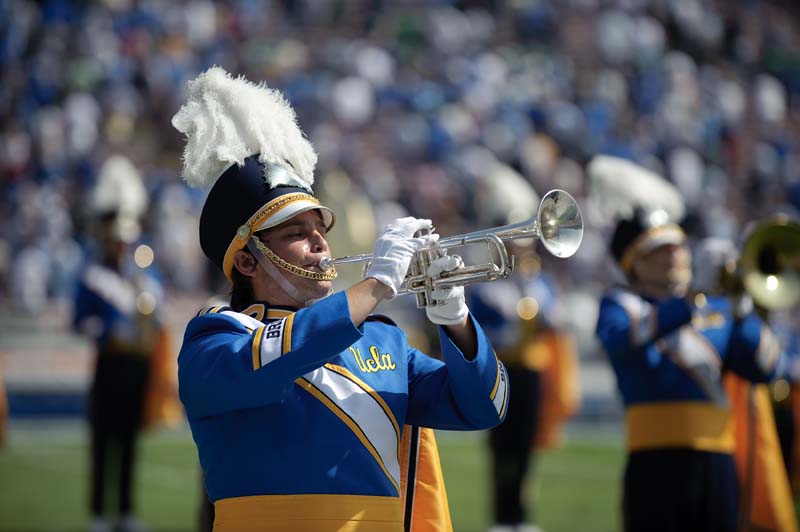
(557, 224)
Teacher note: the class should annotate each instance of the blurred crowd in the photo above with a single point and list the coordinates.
(431, 108)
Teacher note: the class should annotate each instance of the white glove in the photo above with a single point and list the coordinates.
(394, 249)
(451, 308)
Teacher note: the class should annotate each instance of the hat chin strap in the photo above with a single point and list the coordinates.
(329, 275)
(264, 256)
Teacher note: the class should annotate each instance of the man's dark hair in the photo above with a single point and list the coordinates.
(242, 291)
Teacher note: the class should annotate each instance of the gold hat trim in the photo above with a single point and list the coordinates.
(635, 249)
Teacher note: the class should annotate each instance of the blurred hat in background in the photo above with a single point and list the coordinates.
(504, 196)
(120, 198)
(644, 208)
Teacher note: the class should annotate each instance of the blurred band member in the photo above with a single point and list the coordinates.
(668, 354)
(765, 500)
(669, 351)
(116, 305)
(519, 316)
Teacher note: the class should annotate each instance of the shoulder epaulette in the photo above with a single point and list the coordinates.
(212, 310)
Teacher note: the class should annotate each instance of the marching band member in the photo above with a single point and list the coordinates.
(117, 306)
(520, 316)
(669, 352)
(296, 396)
(765, 498)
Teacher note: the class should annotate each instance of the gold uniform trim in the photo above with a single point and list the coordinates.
(258, 311)
(505, 396)
(255, 311)
(257, 337)
(690, 424)
(633, 250)
(287, 333)
(308, 513)
(350, 422)
(274, 206)
(375, 395)
(501, 372)
(496, 380)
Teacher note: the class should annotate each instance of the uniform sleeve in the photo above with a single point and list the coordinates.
(754, 352)
(623, 330)
(457, 394)
(225, 365)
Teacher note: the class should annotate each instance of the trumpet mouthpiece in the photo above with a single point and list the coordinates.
(326, 263)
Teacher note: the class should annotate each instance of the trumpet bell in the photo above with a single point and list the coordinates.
(770, 264)
(560, 224)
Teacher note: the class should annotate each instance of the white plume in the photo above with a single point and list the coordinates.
(228, 119)
(505, 194)
(619, 186)
(509, 195)
(119, 189)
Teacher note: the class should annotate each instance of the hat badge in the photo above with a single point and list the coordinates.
(243, 233)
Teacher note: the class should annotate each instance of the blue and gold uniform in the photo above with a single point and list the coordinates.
(669, 357)
(670, 353)
(298, 416)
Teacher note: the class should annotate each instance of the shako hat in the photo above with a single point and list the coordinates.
(642, 233)
(645, 207)
(244, 138)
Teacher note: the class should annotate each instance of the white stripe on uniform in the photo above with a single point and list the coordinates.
(365, 411)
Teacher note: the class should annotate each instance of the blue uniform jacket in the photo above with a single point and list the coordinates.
(284, 402)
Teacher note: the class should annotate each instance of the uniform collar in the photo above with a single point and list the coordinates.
(264, 311)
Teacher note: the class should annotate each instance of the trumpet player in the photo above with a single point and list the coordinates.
(669, 351)
(297, 397)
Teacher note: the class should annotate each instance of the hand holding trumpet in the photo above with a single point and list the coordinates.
(451, 306)
(395, 248)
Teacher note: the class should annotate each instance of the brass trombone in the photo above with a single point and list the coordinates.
(558, 224)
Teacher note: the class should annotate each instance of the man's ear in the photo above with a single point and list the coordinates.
(245, 263)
